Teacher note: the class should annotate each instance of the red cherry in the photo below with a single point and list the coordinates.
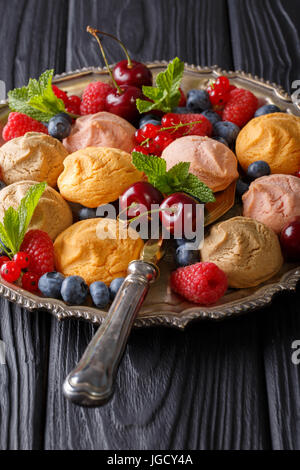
(178, 214)
(3, 259)
(290, 240)
(124, 104)
(10, 271)
(162, 140)
(30, 281)
(22, 259)
(134, 74)
(140, 193)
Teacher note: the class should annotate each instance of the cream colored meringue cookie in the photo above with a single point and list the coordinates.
(97, 175)
(95, 250)
(52, 214)
(213, 162)
(246, 250)
(101, 130)
(34, 156)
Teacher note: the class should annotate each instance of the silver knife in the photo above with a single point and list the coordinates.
(91, 382)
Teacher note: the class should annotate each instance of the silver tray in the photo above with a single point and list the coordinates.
(162, 307)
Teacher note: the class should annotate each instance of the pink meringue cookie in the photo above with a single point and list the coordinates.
(213, 162)
(273, 200)
(101, 130)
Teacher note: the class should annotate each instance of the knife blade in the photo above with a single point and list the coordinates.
(91, 382)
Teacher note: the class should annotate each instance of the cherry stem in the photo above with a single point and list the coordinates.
(94, 32)
(129, 61)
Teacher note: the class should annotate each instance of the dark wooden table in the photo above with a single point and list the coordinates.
(230, 385)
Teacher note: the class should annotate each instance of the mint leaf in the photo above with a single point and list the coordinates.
(166, 95)
(26, 209)
(193, 186)
(152, 166)
(11, 225)
(37, 100)
(16, 222)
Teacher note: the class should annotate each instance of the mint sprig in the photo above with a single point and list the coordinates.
(176, 179)
(37, 99)
(166, 95)
(15, 222)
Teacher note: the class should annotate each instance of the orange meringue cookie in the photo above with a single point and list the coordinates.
(213, 162)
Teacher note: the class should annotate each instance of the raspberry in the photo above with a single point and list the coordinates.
(60, 94)
(201, 283)
(93, 98)
(39, 246)
(18, 124)
(240, 107)
(73, 104)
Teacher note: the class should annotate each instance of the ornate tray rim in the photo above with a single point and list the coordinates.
(259, 299)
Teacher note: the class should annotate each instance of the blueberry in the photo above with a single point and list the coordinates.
(86, 213)
(50, 284)
(182, 241)
(147, 118)
(211, 116)
(185, 257)
(100, 294)
(180, 110)
(267, 109)
(220, 139)
(197, 101)
(66, 116)
(258, 169)
(2, 185)
(115, 286)
(241, 187)
(59, 127)
(227, 130)
(74, 290)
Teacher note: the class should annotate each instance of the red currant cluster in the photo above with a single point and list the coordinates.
(11, 271)
(152, 139)
(219, 93)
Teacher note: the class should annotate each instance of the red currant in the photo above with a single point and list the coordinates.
(139, 136)
(222, 83)
(182, 101)
(162, 140)
(10, 271)
(170, 119)
(149, 131)
(297, 173)
(218, 97)
(3, 259)
(141, 149)
(22, 260)
(30, 281)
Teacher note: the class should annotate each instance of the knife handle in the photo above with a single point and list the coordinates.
(91, 382)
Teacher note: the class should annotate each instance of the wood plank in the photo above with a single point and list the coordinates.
(268, 46)
(33, 38)
(265, 38)
(201, 389)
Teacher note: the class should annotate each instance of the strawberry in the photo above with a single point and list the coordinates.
(240, 107)
(18, 124)
(39, 246)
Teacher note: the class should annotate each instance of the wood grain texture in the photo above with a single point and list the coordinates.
(228, 385)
